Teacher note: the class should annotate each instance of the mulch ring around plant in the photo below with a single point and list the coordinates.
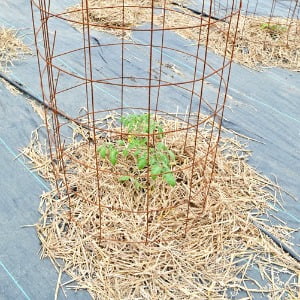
(222, 243)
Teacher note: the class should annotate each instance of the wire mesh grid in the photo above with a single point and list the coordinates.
(145, 112)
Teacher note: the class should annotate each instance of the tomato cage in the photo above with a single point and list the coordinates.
(134, 102)
(268, 34)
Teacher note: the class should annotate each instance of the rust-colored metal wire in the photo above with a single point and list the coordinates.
(86, 87)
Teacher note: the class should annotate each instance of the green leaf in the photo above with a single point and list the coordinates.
(170, 179)
(275, 28)
(137, 153)
(113, 156)
(152, 161)
(102, 151)
(156, 170)
(124, 178)
(165, 160)
(152, 128)
(142, 141)
(160, 130)
(161, 146)
(264, 26)
(141, 163)
(125, 152)
(166, 169)
(120, 143)
(123, 120)
(132, 144)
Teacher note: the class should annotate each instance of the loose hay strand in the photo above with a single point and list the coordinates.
(216, 254)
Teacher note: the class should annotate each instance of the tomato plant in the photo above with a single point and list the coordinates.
(152, 152)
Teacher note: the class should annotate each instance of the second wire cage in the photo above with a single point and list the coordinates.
(134, 103)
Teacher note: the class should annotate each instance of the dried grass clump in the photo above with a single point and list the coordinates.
(222, 243)
(11, 48)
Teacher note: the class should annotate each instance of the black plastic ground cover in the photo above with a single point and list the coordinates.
(262, 105)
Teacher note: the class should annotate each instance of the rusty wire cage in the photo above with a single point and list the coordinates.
(268, 34)
(133, 112)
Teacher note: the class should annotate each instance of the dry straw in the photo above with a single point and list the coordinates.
(12, 48)
(261, 41)
(110, 13)
(265, 43)
(214, 258)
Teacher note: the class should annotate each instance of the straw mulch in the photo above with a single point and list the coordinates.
(260, 43)
(139, 13)
(277, 45)
(12, 48)
(222, 243)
